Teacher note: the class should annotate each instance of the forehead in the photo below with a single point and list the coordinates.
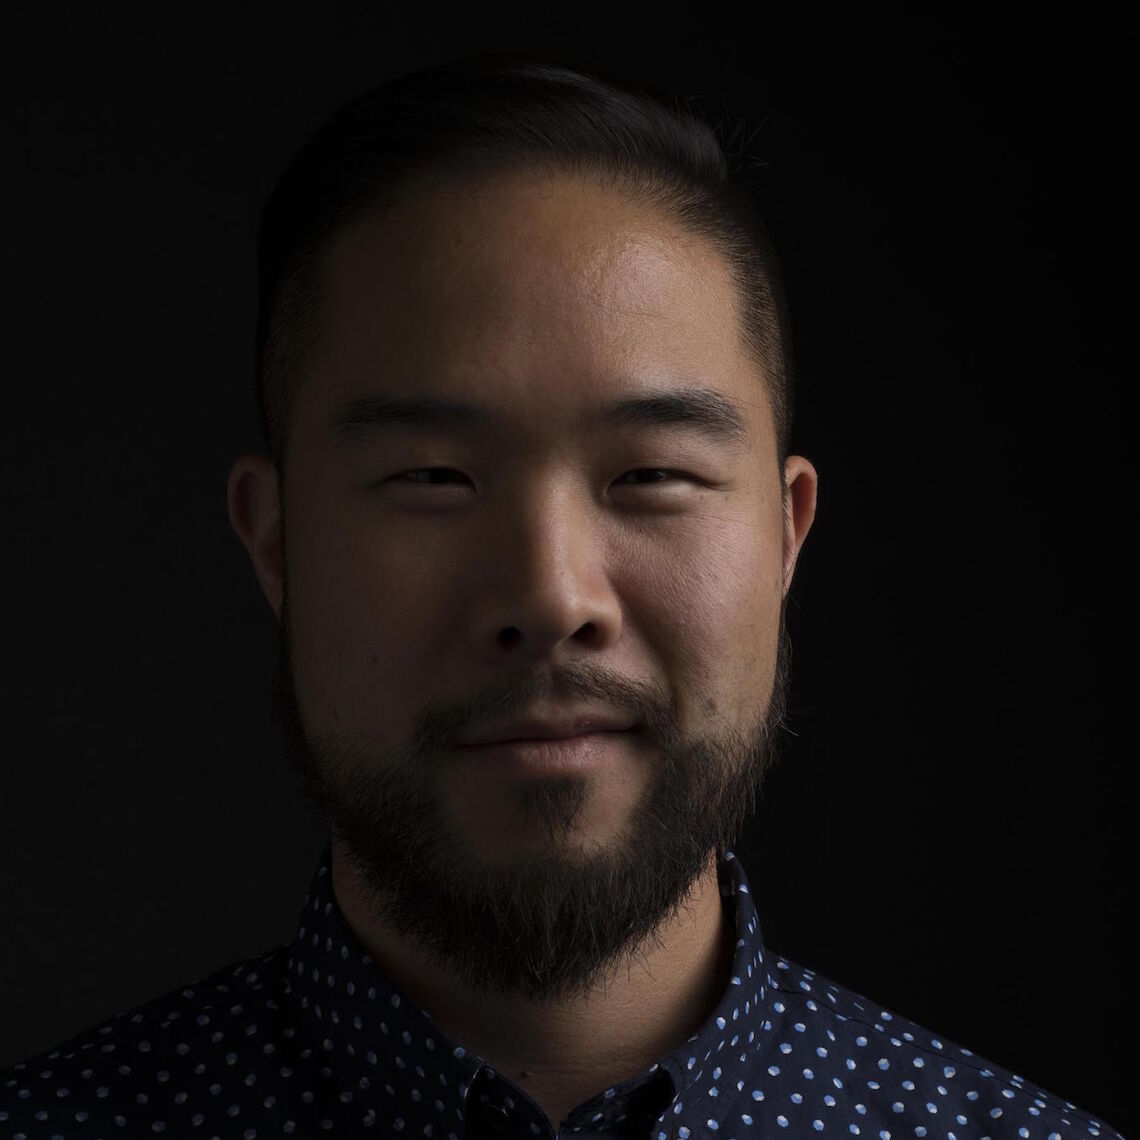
(545, 287)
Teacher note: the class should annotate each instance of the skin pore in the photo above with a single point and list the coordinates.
(567, 929)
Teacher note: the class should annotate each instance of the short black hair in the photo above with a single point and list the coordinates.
(480, 114)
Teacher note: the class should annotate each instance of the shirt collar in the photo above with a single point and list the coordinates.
(335, 984)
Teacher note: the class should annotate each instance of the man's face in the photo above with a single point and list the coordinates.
(544, 568)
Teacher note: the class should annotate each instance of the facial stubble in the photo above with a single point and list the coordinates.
(556, 924)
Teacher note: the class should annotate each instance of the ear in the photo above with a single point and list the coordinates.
(255, 515)
(801, 481)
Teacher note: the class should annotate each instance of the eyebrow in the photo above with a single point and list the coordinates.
(702, 410)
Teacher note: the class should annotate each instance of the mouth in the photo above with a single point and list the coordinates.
(551, 739)
(568, 754)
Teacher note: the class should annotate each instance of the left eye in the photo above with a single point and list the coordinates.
(669, 475)
(667, 472)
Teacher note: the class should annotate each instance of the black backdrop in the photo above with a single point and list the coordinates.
(946, 831)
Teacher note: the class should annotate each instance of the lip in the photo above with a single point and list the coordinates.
(539, 727)
(578, 753)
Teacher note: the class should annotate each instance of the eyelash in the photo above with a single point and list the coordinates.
(655, 483)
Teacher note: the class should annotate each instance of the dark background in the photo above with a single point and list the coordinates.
(946, 831)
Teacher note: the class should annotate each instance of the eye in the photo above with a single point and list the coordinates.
(424, 471)
(669, 473)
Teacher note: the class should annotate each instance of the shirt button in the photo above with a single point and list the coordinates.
(494, 1118)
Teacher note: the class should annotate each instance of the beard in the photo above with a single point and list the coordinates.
(554, 923)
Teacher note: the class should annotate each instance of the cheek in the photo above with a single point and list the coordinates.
(359, 607)
(711, 602)
(717, 575)
(389, 598)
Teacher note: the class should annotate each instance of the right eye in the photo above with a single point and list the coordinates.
(427, 471)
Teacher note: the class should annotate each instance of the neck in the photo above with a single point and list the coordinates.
(563, 1054)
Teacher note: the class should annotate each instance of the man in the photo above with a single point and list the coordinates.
(528, 527)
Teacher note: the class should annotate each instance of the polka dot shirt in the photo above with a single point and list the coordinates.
(310, 1039)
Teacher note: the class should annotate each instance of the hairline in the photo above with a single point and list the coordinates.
(306, 277)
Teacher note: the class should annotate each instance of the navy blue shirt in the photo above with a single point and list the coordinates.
(311, 1039)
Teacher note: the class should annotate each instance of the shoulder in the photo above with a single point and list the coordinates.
(128, 1075)
(898, 1076)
